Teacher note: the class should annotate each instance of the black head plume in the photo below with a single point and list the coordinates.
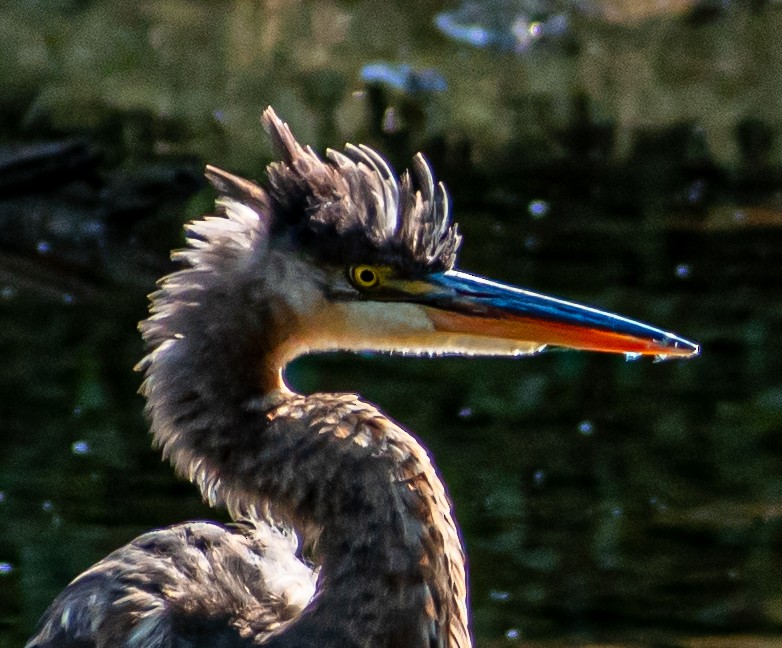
(352, 208)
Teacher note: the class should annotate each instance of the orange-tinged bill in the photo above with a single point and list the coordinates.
(466, 304)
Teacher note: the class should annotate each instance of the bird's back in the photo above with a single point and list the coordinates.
(187, 586)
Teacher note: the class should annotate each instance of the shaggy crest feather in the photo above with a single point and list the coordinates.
(349, 207)
(355, 199)
(232, 233)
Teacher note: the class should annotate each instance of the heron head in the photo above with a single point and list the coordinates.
(347, 256)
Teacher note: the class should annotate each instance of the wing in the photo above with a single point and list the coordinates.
(189, 586)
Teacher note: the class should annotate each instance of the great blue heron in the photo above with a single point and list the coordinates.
(333, 254)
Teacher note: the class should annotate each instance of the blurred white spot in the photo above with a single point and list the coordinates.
(499, 595)
(616, 511)
(739, 216)
(630, 357)
(465, 412)
(8, 292)
(2, 497)
(47, 505)
(586, 428)
(538, 208)
(390, 121)
(539, 476)
(535, 29)
(513, 633)
(695, 192)
(43, 247)
(77, 410)
(683, 270)
(451, 26)
(81, 447)
(5, 568)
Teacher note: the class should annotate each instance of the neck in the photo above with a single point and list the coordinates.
(360, 491)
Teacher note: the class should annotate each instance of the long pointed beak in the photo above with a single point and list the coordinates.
(461, 304)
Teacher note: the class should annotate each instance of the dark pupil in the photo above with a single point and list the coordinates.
(366, 276)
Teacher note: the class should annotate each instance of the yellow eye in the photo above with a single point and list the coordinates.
(365, 276)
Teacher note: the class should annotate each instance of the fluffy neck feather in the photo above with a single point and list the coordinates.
(359, 490)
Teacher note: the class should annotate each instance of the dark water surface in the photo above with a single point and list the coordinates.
(602, 151)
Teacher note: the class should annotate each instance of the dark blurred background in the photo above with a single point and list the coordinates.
(619, 152)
